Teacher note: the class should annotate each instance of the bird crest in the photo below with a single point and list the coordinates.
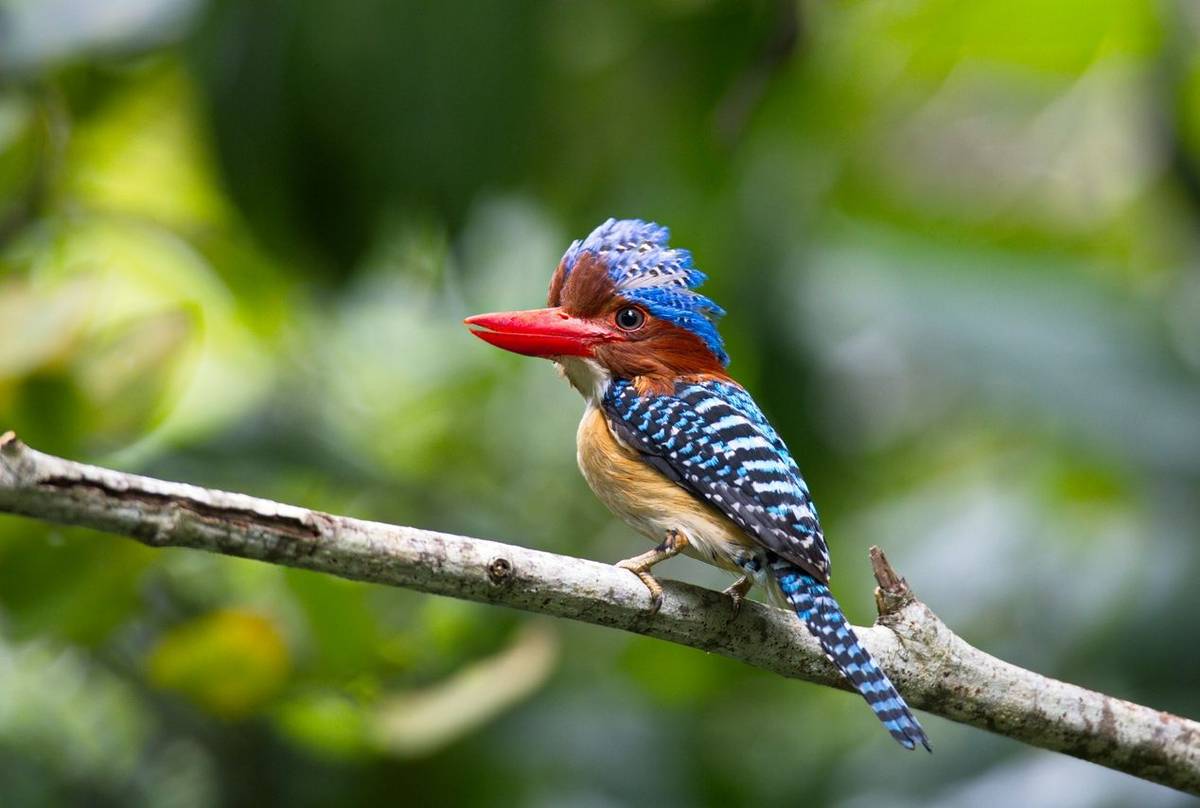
(646, 270)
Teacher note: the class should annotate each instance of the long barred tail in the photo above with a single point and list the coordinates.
(824, 618)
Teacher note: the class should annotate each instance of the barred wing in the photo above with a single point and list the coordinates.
(710, 438)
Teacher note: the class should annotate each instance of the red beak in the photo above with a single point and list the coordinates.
(539, 332)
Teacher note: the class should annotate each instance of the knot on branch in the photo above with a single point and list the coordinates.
(499, 569)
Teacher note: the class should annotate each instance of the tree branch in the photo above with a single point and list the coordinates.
(935, 669)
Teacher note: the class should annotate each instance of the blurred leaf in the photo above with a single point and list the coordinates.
(61, 710)
(71, 728)
(44, 407)
(330, 724)
(395, 414)
(195, 365)
(146, 138)
(69, 583)
(341, 626)
(39, 324)
(127, 369)
(908, 324)
(229, 662)
(420, 722)
(1061, 37)
(21, 152)
(676, 676)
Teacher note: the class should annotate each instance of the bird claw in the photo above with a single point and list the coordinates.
(737, 593)
(639, 568)
(640, 565)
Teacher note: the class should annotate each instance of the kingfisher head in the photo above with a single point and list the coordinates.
(622, 304)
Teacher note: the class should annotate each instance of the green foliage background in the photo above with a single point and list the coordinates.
(958, 243)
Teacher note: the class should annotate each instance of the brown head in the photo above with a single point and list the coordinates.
(623, 300)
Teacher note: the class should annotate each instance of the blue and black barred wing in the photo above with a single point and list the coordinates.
(711, 438)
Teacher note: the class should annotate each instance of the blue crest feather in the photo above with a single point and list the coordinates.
(646, 270)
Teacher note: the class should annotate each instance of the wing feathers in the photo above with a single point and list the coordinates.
(711, 438)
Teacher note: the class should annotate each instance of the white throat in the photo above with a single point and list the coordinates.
(587, 376)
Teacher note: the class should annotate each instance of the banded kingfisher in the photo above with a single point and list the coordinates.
(678, 449)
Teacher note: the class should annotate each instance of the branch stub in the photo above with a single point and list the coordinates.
(893, 593)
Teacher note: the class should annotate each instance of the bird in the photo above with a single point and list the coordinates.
(676, 448)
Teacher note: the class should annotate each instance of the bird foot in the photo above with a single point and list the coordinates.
(639, 569)
(737, 592)
(640, 565)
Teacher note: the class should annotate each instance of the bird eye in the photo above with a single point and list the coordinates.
(630, 318)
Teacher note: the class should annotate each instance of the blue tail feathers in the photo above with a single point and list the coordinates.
(823, 617)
